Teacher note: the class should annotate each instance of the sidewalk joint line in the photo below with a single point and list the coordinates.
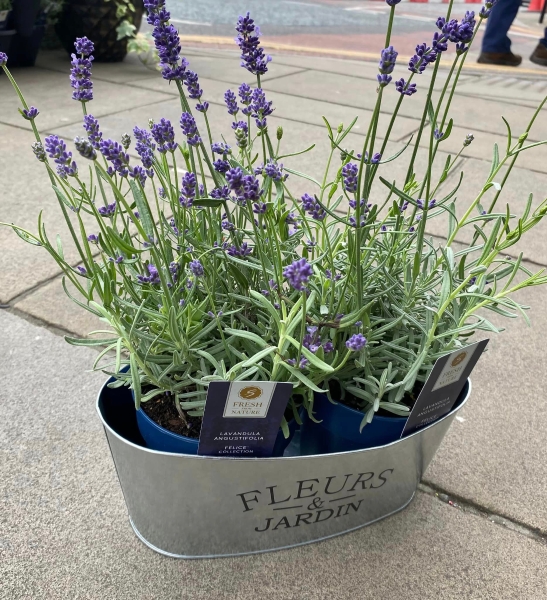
(470, 506)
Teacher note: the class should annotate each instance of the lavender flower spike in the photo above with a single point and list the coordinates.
(167, 41)
(3, 59)
(190, 130)
(386, 65)
(248, 40)
(356, 342)
(231, 102)
(298, 274)
(94, 134)
(30, 114)
(197, 268)
(80, 73)
(164, 136)
(487, 8)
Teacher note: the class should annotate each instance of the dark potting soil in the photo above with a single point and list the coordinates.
(162, 410)
(351, 401)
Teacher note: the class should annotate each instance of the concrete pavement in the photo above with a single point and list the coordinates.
(64, 530)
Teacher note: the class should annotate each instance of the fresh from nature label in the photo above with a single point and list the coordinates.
(242, 418)
(443, 386)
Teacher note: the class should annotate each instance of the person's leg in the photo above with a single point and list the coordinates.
(495, 37)
(539, 55)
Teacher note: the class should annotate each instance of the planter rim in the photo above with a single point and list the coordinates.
(233, 458)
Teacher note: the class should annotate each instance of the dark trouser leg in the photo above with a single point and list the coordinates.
(498, 24)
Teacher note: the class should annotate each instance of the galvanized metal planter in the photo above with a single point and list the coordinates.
(202, 507)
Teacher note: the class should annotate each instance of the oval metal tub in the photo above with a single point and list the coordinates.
(203, 507)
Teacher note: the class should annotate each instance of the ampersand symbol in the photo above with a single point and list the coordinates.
(317, 503)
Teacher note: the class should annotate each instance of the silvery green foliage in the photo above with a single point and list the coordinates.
(222, 274)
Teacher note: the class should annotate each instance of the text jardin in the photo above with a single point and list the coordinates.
(310, 492)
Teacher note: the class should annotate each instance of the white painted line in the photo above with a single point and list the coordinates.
(191, 23)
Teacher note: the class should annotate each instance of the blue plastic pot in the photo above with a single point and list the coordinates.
(159, 438)
(339, 429)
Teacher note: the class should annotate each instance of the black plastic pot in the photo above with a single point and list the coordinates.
(6, 38)
(97, 20)
(5, 20)
(21, 41)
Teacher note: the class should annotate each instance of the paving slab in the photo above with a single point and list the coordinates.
(478, 114)
(65, 530)
(131, 69)
(51, 93)
(496, 456)
(302, 110)
(24, 192)
(50, 304)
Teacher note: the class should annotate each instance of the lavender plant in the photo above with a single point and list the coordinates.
(206, 266)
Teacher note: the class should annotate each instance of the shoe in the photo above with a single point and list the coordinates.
(507, 59)
(540, 55)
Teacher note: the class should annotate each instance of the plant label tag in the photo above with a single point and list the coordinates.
(443, 386)
(242, 418)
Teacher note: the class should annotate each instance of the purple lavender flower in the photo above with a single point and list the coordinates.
(221, 148)
(275, 171)
(153, 278)
(227, 225)
(221, 166)
(114, 153)
(234, 177)
(84, 46)
(223, 192)
(231, 102)
(85, 148)
(356, 342)
(188, 190)
(190, 129)
(386, 65)
(313, 208)
(405, 88)
(251, 189)
(487, 8)
(109, 209)
(298, 274)
(438, 135)
(164, 136)
(39, 151)
(3, 59)
(94, 134)
(328, 347)
(138, 173)
(248, 40)
(92, 238)
(30, 114)
(349, 173)
(83, 270)
(145, 149)
(80, 73)
(392, 2)
(197, 268)
(424, 55)
(243, 251)
(245, 96)
(261, 108)
(166, 39)
(56, 148)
